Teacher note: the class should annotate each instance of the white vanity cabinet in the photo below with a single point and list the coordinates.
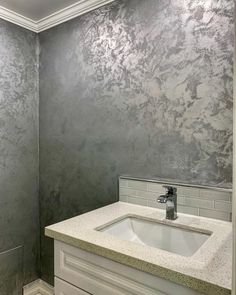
(78, 272)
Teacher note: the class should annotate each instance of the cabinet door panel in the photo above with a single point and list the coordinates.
(99, 276)
(63, 288)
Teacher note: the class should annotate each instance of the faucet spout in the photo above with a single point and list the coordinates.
(162, 199)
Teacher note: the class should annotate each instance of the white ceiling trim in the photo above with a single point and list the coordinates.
(54, 19)
(70, 12)
(18, 19)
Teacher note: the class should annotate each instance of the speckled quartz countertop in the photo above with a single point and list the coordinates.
(207, 271)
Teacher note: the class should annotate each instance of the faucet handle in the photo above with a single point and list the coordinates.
(170, 189)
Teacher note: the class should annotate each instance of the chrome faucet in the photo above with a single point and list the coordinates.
(170, 198)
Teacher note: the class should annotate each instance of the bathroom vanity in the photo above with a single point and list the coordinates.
(129, 249)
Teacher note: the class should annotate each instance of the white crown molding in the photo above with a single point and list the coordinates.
(18, 19)
(63, 15)
(70, 12)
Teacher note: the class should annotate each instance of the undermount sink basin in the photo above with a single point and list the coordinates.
(170, 238)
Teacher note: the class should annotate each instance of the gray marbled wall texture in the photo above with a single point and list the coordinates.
(137, 87)
(19, 220)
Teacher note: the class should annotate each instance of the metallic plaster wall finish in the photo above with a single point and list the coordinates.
(11, 271)
(142, 88)
(19, 218)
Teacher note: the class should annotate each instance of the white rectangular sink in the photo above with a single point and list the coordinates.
(167, 237)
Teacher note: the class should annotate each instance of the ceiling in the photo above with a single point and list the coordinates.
(39, 15)
(36, 9)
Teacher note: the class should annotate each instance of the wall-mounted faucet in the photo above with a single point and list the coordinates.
(170, 198)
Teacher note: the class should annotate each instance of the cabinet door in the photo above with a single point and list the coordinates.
(63, 288)
(101, 276)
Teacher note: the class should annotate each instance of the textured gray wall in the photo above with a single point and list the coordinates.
(137, 87)
(19, 219)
